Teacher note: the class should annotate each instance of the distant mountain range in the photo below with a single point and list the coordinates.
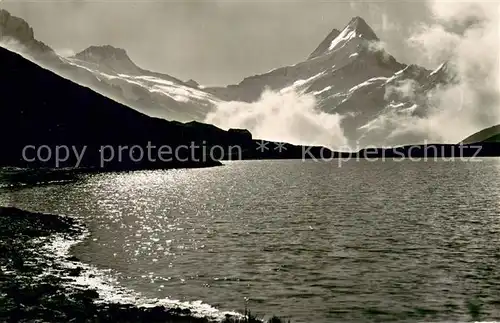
(349, 74)
(56, 118)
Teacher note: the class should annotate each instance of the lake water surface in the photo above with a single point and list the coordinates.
(369, 241)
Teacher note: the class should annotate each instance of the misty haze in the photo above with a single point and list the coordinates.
(235, 161)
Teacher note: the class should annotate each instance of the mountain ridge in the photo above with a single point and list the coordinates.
(356, 28)
(18, 30)
(351, 74)
(118, 60)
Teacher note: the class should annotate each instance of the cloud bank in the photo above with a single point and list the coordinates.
(286, 116)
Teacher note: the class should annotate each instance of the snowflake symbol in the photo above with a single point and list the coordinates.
(280, 146)
(262, 146)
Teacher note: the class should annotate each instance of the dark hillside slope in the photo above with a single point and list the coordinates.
(491, 134)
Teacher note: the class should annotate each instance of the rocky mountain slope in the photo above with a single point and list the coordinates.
(48, 118)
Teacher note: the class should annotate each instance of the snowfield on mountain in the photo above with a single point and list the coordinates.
(375, 99)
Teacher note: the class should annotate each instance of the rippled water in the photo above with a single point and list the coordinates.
(370, 241)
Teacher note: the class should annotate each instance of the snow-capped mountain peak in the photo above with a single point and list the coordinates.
(438, 69)
(362, 29)
(109, 58)
(10, 24)
(347, 75)
(357, 28)
(99, 53)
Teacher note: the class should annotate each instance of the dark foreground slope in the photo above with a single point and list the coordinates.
(42, 109)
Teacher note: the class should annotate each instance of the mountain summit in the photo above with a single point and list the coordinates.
(356, 28)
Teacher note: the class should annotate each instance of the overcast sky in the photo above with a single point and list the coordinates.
(213, 42)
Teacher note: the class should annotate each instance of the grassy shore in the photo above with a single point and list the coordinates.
(33, 289)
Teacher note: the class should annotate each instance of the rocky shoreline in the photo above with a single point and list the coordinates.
(34, 287)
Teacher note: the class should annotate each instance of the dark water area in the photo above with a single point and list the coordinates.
(365, 242)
